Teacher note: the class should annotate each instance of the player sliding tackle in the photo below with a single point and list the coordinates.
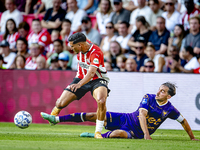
(91, 76)
(152, 112)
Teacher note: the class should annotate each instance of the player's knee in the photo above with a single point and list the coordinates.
(59, 104)
(101, 102)
(118, 134)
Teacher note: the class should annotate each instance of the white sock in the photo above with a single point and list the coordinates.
(99, 125)
(57, 119)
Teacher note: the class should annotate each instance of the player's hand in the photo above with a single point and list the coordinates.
(74, 87)
(147, 137)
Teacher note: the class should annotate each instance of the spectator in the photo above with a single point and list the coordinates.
(55, 34)
(10, 13)
(89, 32)
(11, 35)
(155, 12)
(39, 35)
(181, 7)
(172, 59)
(128, 4)
(171, 15)
(75, 15)
(41, 62)
(158, 59)
(88, 5)
(22, 47)
(108, 66)
(35, 51)
(23, 29)
(54, 63)
(148, 66)
(2, 62)
(30, 5)
(123, 37)
(115, 50)
(53, 17)
(63, 60)
(121, 14)
(130, 65)
(105, 43)
(19, 62)
(159, 38)
(192, 62)
(178, 37)
(20, 4)
(191, 12)
(142, 10)
(103, 16)
(193, 38)
(140, 46)
(8, 56)
(197, 70)
(45, 5)
(121, 60)
(58, 48)
(66, 33)
(142, 30)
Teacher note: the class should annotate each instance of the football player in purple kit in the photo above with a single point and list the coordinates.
(152, 112)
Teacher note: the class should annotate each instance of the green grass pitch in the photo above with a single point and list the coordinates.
(66, 137)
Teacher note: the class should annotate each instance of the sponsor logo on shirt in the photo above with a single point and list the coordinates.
(84, 65)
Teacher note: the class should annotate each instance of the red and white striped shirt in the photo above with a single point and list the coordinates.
(42, 38)
(185, 18)
(12, 39)
(93, 57)
(30, 64)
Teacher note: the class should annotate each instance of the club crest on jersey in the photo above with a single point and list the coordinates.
(144, 101)
(96, 61)
(44, 38)
(164, 113)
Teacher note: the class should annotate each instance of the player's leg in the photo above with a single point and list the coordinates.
(110, 134)
(68, 96)
(65, 99)
(100, 95)
(75, 117)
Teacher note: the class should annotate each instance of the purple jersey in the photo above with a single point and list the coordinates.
(155, 117)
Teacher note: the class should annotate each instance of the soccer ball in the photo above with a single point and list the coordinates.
(23, 119)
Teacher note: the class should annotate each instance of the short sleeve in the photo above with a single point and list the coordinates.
(95, 59)
(44, 39)
(145, 102)
(46, 16)
(165, 38)
(174, 114)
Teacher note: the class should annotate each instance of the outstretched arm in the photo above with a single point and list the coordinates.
(187, 128)
(143, 123)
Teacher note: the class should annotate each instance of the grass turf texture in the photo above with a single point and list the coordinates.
(62, 137)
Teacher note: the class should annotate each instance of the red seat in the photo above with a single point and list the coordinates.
(29, 18)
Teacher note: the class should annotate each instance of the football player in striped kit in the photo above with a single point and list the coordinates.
(91, 76)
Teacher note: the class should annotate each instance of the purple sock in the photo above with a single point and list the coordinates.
(107, 134)
(76, 117)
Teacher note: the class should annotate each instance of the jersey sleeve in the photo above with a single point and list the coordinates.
(144, 104)
(44, 39)
(95, 59)
(174, 114)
